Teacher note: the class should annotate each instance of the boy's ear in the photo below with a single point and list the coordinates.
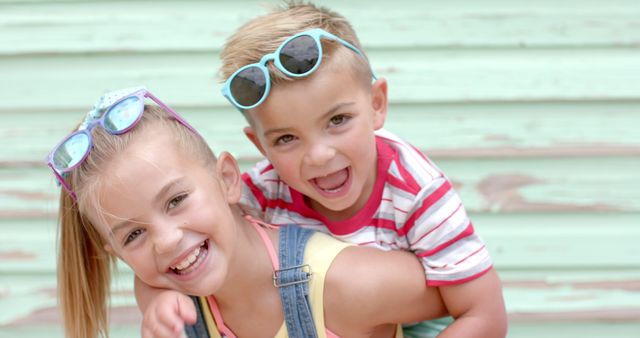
(228, 171)
(253, 137)
(379, 102)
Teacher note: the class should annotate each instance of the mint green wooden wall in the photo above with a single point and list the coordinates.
(531, 108)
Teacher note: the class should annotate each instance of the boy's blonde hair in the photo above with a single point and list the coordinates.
(84, 266)
(264, 34)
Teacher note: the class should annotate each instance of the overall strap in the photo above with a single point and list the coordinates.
(199, 329)
(293, 281)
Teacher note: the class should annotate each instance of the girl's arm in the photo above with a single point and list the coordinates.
(384, 287)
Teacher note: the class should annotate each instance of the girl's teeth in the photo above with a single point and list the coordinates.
(189, 260)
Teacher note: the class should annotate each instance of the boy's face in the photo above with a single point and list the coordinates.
(168, 217)
(318, 133)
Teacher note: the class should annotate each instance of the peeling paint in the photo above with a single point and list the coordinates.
(16, 255)
(497, 137)
(557, 151)
(572, 298)
(626, 285)
(615, 315)
(502, 193)
(119, 315)
(29, 195)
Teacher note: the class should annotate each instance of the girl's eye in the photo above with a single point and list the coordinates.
(133, 235)
(338, 120)
(175, 202)
(284, 139)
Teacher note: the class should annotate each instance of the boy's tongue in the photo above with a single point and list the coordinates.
(332, 181)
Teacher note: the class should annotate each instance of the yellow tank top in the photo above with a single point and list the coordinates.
(320, 252)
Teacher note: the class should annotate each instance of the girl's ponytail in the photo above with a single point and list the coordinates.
(84, 274)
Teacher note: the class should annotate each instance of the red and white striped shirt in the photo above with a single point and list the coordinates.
(413, 206)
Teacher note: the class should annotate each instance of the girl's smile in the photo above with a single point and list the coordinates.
(188, 264)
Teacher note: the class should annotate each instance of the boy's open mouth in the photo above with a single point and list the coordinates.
(334, 182)
(192, 261)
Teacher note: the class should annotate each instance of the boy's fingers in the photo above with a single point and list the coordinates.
(187, 310)
(158, 331)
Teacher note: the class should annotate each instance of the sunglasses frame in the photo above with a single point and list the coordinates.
(316, 34)
(86, 129)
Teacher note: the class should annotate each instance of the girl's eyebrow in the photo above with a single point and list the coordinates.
(157, 199)
(120, 226)
(168, 187)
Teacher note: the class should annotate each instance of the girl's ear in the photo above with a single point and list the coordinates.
(228, 171)
(379, 102)
(110, 250)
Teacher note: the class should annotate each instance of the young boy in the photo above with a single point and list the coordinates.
(313, 115)
(300, 78)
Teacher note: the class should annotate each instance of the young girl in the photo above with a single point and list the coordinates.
(140, 184)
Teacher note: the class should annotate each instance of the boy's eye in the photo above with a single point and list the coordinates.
(284, 139)
(338, 120)
(133, 235)
(175, 202)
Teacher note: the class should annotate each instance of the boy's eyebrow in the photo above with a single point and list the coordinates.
(336, 108)
(324, 116)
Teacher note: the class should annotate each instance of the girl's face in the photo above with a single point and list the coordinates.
(168, 216)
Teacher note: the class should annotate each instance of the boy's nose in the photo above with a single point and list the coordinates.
(319, 154)
(167, 240)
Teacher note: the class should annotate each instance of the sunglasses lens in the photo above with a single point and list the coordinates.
(71, 151)
(299, 55)
(123, 115)
(248, 86)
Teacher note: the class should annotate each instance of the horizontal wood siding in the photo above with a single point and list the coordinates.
(531, 108)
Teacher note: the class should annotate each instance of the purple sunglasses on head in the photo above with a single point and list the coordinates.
(117, 112)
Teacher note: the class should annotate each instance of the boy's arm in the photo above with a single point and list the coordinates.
(384, 287)
(457, 261)
(144, 293)
(477, 306)
(164, 311)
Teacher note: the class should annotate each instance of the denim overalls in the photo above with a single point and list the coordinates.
(292, 279)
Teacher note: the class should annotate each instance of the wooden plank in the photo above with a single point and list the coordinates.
(529, 130)
(98, 26)
(549, 279)
(32, 301)
(535, 242)
(516, 330)
(496, 185)
(557, 184)
(41, 83)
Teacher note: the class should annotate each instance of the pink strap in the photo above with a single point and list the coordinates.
(267, 242)
(217, 316)
(213, 305)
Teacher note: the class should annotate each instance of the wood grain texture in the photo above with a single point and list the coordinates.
(531, 109)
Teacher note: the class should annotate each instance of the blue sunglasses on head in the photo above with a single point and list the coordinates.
(117, 112)
(298, 56)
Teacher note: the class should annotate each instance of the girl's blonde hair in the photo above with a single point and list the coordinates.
(84, 266)
(264, 34)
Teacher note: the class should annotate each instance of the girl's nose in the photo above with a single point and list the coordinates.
(167, 240)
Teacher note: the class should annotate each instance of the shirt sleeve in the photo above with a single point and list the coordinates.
(442, 236)
(255, 190)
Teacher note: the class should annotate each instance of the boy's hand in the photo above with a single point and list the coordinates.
(166, 315)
